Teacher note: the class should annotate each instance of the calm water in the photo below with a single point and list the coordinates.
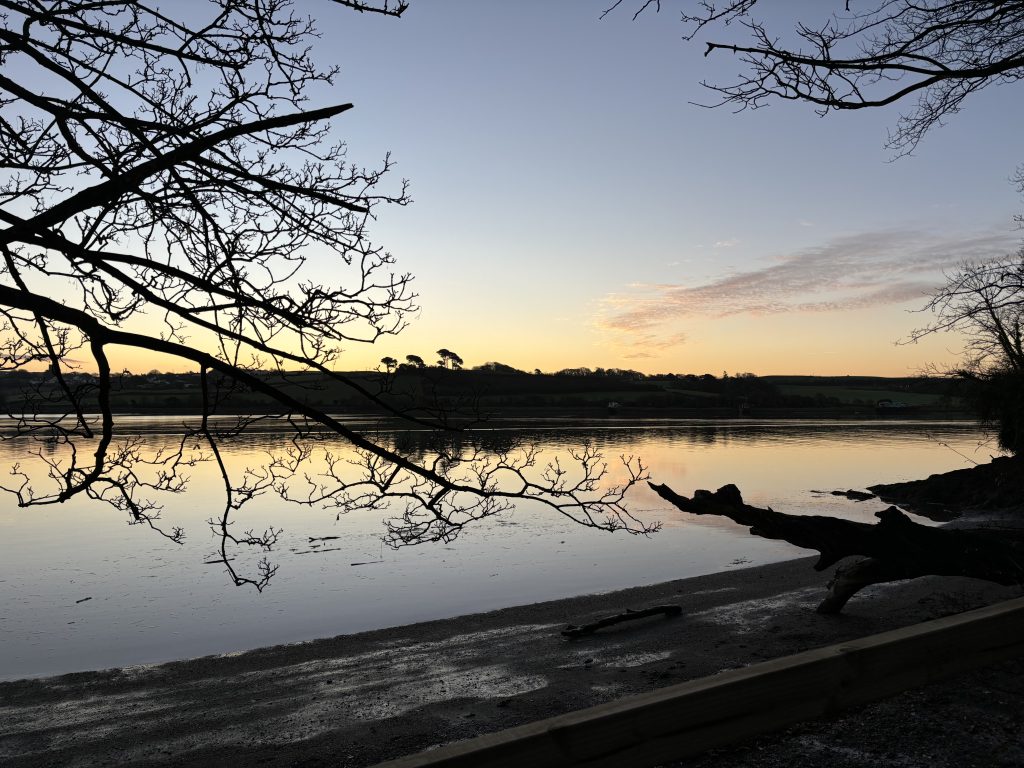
(153, 601)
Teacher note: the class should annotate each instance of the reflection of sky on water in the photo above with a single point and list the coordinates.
(153, 601)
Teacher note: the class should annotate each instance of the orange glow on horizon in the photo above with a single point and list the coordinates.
(755, 355)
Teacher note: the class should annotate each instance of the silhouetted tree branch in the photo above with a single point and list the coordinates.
(386, 8)
(864, 55)
(167, 185)
(984, 302)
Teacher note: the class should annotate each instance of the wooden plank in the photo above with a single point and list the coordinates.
(691, 717)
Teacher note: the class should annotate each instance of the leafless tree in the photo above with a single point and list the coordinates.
(169, 185)
(984, 303)
(864, 54)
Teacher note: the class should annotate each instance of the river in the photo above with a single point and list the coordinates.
(80, 589)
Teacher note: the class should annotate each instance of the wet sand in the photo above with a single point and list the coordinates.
(359, 699)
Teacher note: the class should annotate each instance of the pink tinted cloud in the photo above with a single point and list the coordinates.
(856, 272)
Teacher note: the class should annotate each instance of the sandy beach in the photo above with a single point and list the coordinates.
(356, 700)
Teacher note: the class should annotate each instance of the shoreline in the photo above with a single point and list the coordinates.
(329, 701)
(597, 414)
(507, 565)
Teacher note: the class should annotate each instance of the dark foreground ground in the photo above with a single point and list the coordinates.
(975, 720)
(357, 700)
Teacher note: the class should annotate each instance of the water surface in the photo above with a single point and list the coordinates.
(152, 601)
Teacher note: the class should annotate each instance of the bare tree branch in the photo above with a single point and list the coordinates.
(937, 51)
(168, 185)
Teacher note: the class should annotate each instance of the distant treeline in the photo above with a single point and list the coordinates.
(496, 389)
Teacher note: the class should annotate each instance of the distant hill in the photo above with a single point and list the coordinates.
(498, 390)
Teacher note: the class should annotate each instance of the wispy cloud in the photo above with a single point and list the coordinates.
(644, 345)
(861, 271)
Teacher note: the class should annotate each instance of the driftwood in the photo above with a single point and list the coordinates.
(630, 615)
(850, 494)
(896, 547)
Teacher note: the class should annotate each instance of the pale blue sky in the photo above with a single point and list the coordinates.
(572, 207)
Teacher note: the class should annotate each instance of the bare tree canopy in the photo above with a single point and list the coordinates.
(168, 185)
(984, 303)
(864, 54)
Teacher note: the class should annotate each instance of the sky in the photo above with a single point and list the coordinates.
(574, 207)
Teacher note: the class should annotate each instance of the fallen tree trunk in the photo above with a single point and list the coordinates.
(896, 547)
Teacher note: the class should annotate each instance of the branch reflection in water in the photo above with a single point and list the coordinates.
(153, 601)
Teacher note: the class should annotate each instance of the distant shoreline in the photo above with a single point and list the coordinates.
(598, 414)
(508, 394)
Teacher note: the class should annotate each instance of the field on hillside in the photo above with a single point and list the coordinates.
(852, 395)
